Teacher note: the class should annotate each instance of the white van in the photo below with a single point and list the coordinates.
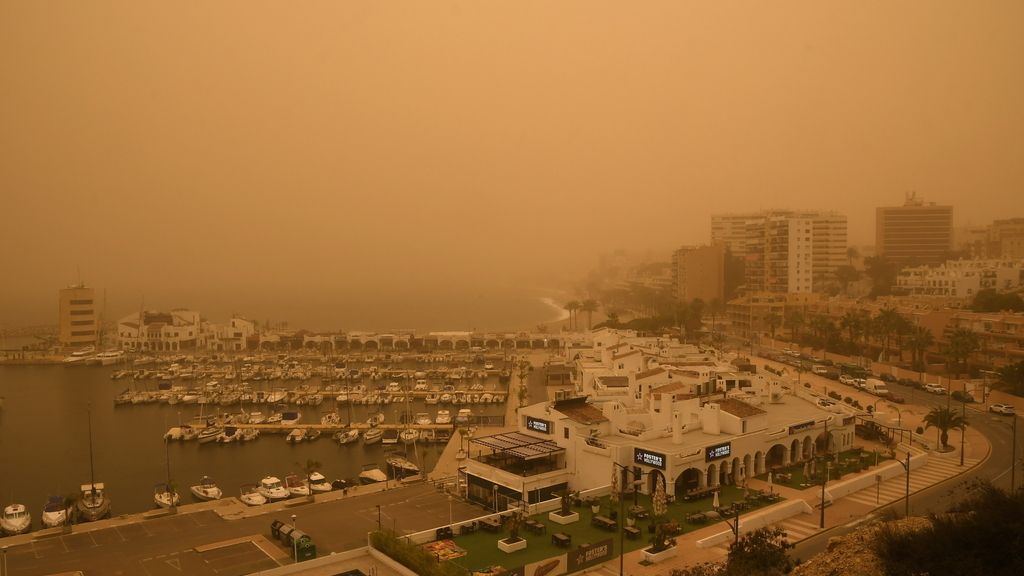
(876, 387)
(935, 388)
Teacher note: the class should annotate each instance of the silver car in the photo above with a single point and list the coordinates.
(1004, 409)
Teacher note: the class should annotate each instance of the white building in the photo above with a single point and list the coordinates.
(172, 331)
(962, 278)
(686, 418)
(230, 336)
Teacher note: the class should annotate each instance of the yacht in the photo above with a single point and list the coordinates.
(346, 436)
(229, 435)
(272, 489)
(318, 483)
(443, 417)
(375, 420)
(206, 490)
(373, 436)
(15, 520)
(409, 435)
(401, 466)
(296, 485)
(390, 436)
(423, 419)
(78, 357)
(331, 419)
(463, 416)
(295, 436)
(445, 398)
(372, 474)
(209, 434)
(433, 398)
(250, 495)
(111, 357)
(93, 504)
(165, 496)
(290, 418)
(55, 512)
(249, 434)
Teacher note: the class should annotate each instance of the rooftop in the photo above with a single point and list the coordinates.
(739, 408)
(580, 412)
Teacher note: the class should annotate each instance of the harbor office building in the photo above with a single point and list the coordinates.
(690, 440)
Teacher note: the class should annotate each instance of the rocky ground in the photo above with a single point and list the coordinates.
(853, 554)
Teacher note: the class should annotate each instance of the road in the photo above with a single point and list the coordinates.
(940, 497)
(167, 546)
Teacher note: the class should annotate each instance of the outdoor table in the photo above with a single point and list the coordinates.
(632, 532)
(490, 524)
(712, 515)
(561, 539)
(696, 518)
(604, 522)
(638, 512)
(534, 526)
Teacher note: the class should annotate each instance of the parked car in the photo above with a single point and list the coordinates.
(1004, 409)
(846, 379)
(910, 382)
(894, 398)
(961, 396)
(886, 377)
(935, 388)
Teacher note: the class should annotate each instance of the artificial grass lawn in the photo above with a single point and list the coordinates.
(482, 547)
(798, 479)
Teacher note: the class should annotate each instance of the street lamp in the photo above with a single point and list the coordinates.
(906, 466)
(637, 481)
(295, 541)
(963, 424)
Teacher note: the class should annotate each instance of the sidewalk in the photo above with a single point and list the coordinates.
(858, 505)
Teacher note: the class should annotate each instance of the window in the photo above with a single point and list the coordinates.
(81, 322)
(565, 432)
(81, 312)
(81, 302)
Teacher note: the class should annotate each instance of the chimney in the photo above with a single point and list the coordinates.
(709, 418)
(677, 428)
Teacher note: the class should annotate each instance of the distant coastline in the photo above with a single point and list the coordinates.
(561, 314)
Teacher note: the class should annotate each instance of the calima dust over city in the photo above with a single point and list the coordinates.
(511, 288)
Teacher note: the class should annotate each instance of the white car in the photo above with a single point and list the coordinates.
(846, 379)
(1002, 409)
(934, 388)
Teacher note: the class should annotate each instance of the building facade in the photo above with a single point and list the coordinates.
(77, 316)
(961, 278)
(785, 251)
(152, 331)
(915, 233)
(699, 273)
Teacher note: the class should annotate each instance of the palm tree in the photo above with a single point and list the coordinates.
(919, 341)
(589, 306)
(962, 343)
(795, 321)
(853, 323)
(572, 306)
(944, 420)
(885, 324)
(310, 467)
(1011, 378)
(772, 320)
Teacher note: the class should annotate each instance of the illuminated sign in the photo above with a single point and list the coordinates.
(538, 425)
(641, 456)
(801, 427)
(718, 451)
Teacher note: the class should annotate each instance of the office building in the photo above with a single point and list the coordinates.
(76, 316)
(915, 233)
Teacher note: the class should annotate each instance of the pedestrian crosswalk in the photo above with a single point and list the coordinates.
(934, 471)
(799, 527)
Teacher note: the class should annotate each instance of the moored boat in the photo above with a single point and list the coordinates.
(346, 436)
(272, 489)
(295, 436)
(371, 474)
(319, 483)
(401, 466)
(250, 495)
(207, 489)
(373, 436)
(55, 512)
(165, 496)
(15, 520)
(409, 435)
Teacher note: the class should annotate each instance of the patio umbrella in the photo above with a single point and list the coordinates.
(814, 467)
(716, 505)
(807, 469)
(769, 481)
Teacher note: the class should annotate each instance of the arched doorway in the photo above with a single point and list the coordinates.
(690, 479)
(777, 456)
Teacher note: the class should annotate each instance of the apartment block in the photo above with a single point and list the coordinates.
(699, 272)
(915, 233)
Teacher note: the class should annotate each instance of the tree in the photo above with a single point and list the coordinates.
(919, 341)
(882, 273)
(852, 254)
(760, 553)
(885, 324)
(847, 275)
(772, 320)
(853, 321)
(589, 306)
(943, 419)
(794, 321)
(572, 306)
(989, 300)
(523, 393)
(962, 343)
(1011, 378)
(310, 467)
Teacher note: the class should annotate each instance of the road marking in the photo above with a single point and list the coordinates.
(174, 563)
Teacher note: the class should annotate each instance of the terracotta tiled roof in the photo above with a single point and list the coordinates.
(580, 412)
(739, 408)
(648, 373)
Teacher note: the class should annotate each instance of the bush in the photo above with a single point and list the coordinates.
(807, 384)
(848, 400)
(919, 430)
(835, 395)
(412, 556)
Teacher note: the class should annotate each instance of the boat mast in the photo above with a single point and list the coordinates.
(92, 470)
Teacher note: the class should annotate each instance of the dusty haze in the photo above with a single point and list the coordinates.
(336, 163)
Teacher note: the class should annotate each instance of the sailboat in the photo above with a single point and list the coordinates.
(164, 495)
(94, 503)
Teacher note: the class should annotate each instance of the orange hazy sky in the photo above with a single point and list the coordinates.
(169, 147)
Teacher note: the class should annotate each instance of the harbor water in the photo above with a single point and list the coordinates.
(44, 442)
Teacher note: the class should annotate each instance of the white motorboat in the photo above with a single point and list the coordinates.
(331, 419)
(443, 417)
(296, 485)
(463, 416)
(274, 418)
(409, 435)
(346, 436)
(272, 489)
(257, 418)
(165, 496)
(209, 434)
(290, 418)
(371, 474)
(375, 420)
(249, 434)
(55, 512)
(229, 435)
(207, 489)
(373, 436)
(401, 466)
(446, 398)
(251, 496)
(423, 419)
(295, 436)
(433, 398)
(79, 357)
(109, 357)
(319, 483)
(15, 520)
(486, 398)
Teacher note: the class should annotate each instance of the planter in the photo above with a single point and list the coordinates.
(630, 521)
(509, 548)
(557, 517)
(655, 557)
(596, 509)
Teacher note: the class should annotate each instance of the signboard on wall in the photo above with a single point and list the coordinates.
(648, 458)
(801, 427)
(538, 425)
(718, 451)
(585, 556)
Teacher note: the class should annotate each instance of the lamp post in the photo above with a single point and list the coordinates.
(295, 541)
(4, 565)
(622, 515)
(906, 465)
(963, 425)
(824, 477)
